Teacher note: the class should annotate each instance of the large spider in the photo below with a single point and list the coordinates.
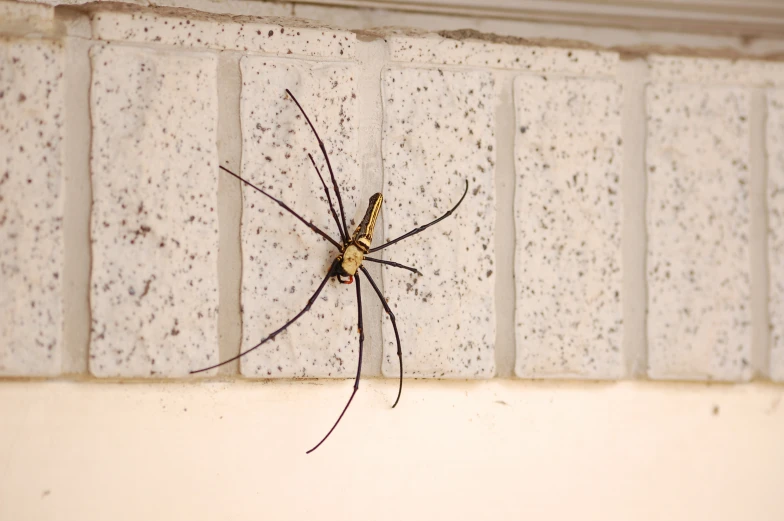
(352, 252)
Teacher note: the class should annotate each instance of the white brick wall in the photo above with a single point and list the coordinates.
(699, 161)
(155, 101)
(482, 54)
(698, 229)
(568, 158)
(439, 133)
(154, 290)
(197, 30)
(31, 206)
(283, 260)
(775, 193)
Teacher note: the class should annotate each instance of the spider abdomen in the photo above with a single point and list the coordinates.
(354, 254)
(363, 235)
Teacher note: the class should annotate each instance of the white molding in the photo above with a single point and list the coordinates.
(751, 18)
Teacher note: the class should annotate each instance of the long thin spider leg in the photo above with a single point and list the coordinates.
(326, 157)
(394, 326)
(285, 207)
(343, 238)
(359, 365)
(423, 227)
(394, 264)
(276, 332)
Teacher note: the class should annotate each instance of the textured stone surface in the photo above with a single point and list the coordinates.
(715, 71)
(439, 132)
(267, 35)
(568, 223)
(154, 293)
(237, 7)
(775, 148)
(697, 161)
(283, 260)
(80, 2)
(443, 51)
(31, 207)
(16, 16)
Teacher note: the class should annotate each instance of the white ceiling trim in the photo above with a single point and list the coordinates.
(752, 18)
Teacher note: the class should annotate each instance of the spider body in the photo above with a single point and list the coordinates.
(352, 252)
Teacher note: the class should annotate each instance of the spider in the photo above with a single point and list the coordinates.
(352, 252)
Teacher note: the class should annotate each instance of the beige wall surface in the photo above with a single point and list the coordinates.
(451, 450)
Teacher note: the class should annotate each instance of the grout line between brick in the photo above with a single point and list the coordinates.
(633, 75)
(505, 239)
(77, 191)
(372, 58)
(229, 212)
(758, 236)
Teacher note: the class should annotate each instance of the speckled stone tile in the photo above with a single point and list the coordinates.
(154, 282)
(715, 71)
(775, 148)
(266, 35)
(438, 132)
(80, 2)
(31, 207)
(21, 16)
(444, 51)
(283, 261)
(568, 220)
(697, 161)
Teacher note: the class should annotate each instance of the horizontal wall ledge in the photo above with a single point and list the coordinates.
(214, 450)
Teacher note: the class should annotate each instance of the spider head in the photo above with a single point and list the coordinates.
(337, 270)
(350, 261)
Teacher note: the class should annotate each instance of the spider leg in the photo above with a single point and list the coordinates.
(281, 329)
(326, 157)
(285, 207)
(394, 326)
(423, 227)
(329, 200)
(393, 264)
(359, 366)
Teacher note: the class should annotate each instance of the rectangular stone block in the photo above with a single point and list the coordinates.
(463, 50)
(18, 17)
(697, 160)
(715, 71)
(568, 220)
(775, 148)
(56, 3)
(438, 133)
(283, 260)
(31, 207)
(154, 283)
(253, 34)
